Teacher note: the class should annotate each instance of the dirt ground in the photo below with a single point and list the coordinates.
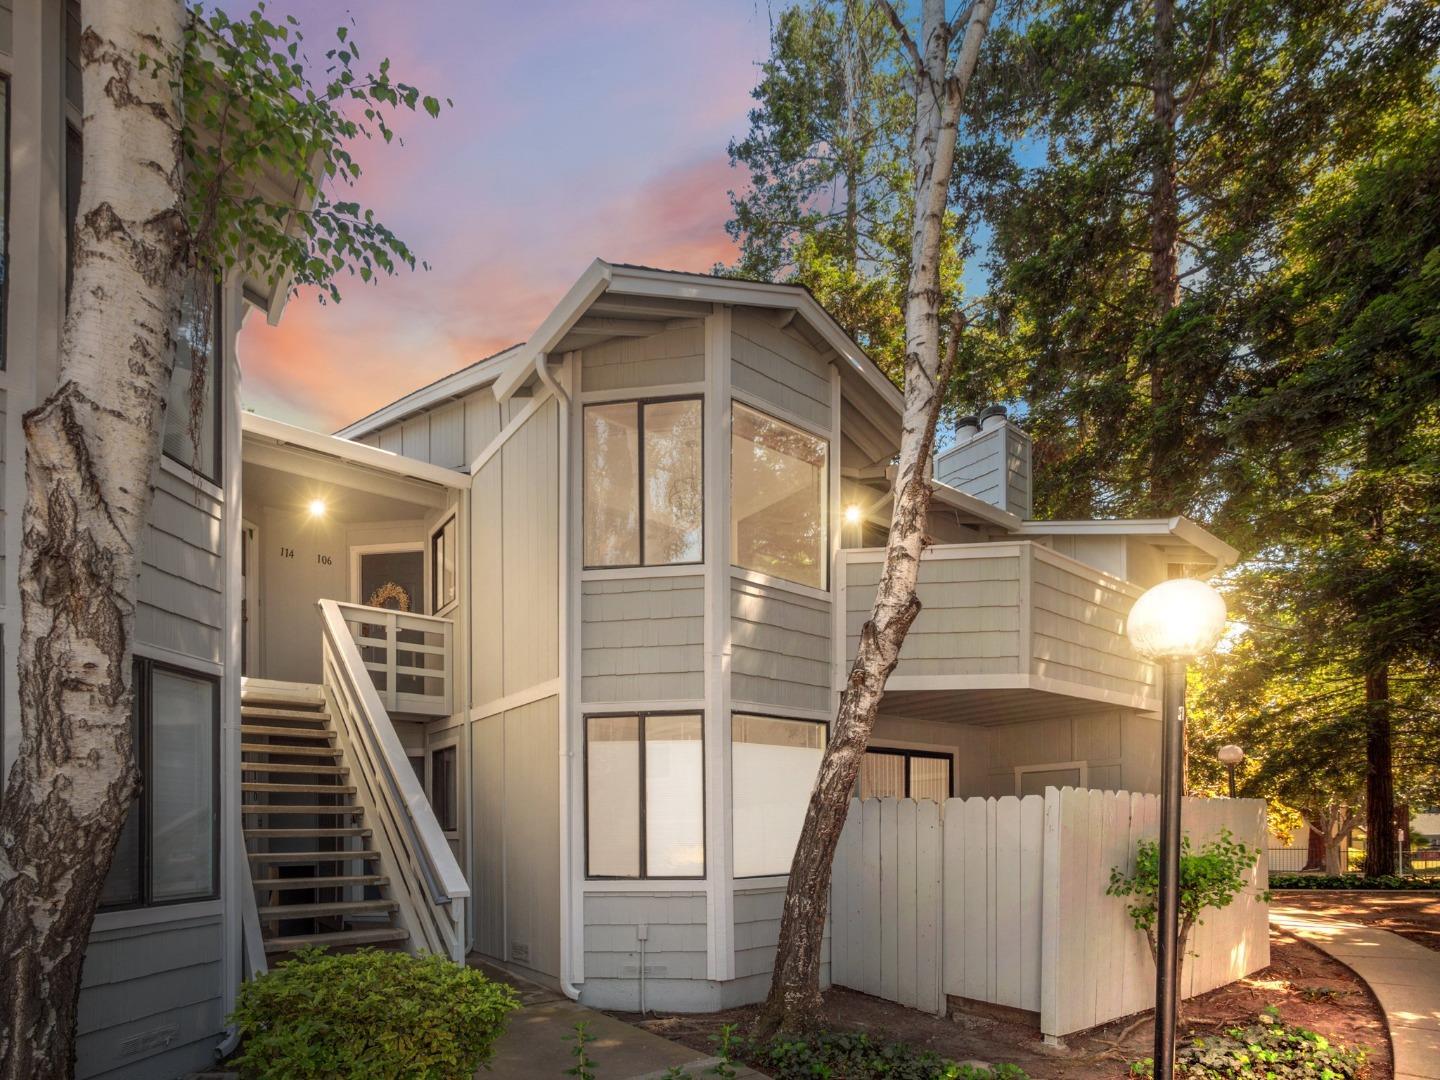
(1306, 986)
(1412, 915)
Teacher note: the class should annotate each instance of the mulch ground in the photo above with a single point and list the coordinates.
(1412, 915)
(1307, 987)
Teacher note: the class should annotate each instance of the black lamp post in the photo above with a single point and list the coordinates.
(1172, 623)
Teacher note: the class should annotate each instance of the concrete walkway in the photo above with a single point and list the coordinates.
(534, 1046)
(1404, 976)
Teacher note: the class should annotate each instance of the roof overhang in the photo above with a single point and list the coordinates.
(262, 429)
(1178, 537)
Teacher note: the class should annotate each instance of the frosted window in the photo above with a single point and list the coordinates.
(182, 786)
(930, 778)
(774, 764)
(191, 434)
(612, 485)
(777, 498)
(612, 794)
(672, 482)
(882, 776)
(674, 797)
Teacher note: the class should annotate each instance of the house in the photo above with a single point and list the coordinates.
(537, 661)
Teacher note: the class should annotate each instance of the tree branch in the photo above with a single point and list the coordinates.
(904, 35)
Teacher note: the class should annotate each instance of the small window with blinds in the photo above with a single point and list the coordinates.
(894, 773)
(193, 425)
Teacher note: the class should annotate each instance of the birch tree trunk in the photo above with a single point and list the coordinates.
(794, 1002)
(91, 450)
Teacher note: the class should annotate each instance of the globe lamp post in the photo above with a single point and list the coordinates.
(1172, 623)
(1230, 756)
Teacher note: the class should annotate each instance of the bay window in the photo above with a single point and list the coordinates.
(778, 495)
(169, 847)
(645, 796)
(643, 483)
(773, 766)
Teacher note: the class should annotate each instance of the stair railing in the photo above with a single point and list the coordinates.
(407, 655)
(425, 879)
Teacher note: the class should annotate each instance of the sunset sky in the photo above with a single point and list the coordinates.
(579, 130)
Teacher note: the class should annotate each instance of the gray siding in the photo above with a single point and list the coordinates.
(181, 600)
(642, 639)
(4, 416)
(780, 367)
(993, 466)
(1122, 750)
(672, 356)
(1079, 632)
(7, 33)
(757, 930)
(780, 647)
(675, 950)
(970, 621)
(150, 1003)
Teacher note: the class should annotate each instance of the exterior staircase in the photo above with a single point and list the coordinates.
(317, 875)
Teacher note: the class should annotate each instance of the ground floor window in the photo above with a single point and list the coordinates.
(894, 773)
(645, 796)
(169, 848)
(773, 762)
(445, 787)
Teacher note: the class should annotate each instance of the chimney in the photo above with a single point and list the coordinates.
(990, 460)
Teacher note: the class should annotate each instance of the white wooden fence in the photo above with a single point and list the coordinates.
(1003, 901)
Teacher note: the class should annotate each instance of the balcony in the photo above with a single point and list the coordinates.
(1016, 627)
(408, 657)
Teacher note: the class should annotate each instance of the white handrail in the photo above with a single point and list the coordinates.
(436, 635)
(426, 880)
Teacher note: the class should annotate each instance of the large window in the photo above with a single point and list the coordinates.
(169, 848)
(773, 762)
(645, 796)
(777, 498)
(887, 773)
(643, 483)
(192, 422)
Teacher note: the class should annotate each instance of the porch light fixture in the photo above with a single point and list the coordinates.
(1230, 756)
(852, 514)
(1172, 623)
(317, 508)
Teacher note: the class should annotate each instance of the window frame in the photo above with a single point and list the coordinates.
(217, 403)
(640, 403)
(437, 570)
(908, 752)
(143, 720)
(643, 861)
(766, 716)
(6, 177)
(436, 755)
(825, 512)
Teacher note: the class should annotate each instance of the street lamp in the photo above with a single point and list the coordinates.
(1172, 623)
(1230, 756)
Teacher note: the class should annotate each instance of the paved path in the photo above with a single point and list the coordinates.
(534, 1047)
(1404, 976)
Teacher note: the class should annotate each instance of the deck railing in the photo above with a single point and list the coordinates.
(425, 880)
(408, 656)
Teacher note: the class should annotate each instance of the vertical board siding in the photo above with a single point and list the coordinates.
(182, 604)
(970, 620)
(886, 908)
(1079, 631)
(676, 355)
(530, 537)
(779, 367)
(149, 983)
(437, 435)
(7, 26)
(780, 647)
(532, 835)
(1003, 901)
(674, 950)
(642, 639)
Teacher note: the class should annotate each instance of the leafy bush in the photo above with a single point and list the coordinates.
(369, 1013)
(1266, 1050)
(840, 1055)
(1350, 881)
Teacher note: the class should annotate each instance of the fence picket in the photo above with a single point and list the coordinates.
(1032, 847)
(952, 869)
(870, 895)
(928, 855)
(977, 911)
(1008, 931)
(907, 898)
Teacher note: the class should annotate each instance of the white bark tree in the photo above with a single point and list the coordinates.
(940, 77)
(91, 449)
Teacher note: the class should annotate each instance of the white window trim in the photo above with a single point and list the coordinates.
(770, 581)
(445, 744)
(445, 519)
(951, 752)
(357, 550)
(190, 476)
(1050, 766)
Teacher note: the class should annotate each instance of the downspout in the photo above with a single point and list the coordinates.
(567, 897)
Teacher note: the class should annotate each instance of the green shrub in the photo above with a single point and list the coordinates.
(1350, 881)
(372, 1014)
(844, 1056)
(1266, 1050)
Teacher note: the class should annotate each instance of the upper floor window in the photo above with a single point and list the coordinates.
(644, 464)
(444, 555)
(170, 844)
(778, 495)
(193, 427)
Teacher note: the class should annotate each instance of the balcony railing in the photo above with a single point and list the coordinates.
(1012, 615)
(409, 657)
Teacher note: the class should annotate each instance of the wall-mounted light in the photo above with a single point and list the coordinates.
(852, 515)
(317, 508)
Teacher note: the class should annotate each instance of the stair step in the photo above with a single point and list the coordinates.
(282, 767)
(343, 937)
(267, 712)
(337, 907)
(284, 809)
(289, 751)
(312, 856)
(289, 732)
(284, 694)
(299, 789)
(294, 884)
(280, 834)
